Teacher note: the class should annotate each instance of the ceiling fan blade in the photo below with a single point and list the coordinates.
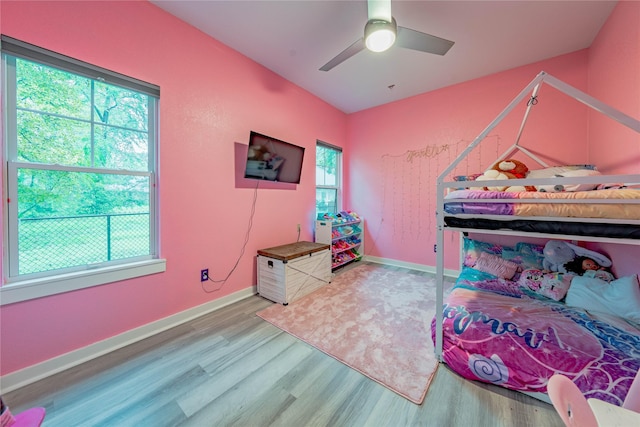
(379, 9)
(412, 39)
(344, 55)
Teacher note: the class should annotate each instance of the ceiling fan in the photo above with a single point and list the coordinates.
(381, 32)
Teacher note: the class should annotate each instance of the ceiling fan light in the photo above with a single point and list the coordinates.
(380, 35)
(380, 40)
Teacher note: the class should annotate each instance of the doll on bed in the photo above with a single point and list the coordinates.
(588, 267)
(566, 257)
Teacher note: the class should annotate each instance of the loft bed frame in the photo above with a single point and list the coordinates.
(444, 186)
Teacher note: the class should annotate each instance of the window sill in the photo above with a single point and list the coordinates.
(38, 288)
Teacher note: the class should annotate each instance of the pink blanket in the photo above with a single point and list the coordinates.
(516, 341)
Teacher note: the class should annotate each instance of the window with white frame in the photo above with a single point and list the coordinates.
(80, 152)
(328, 177)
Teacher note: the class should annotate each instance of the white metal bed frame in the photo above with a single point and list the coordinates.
(444, 186)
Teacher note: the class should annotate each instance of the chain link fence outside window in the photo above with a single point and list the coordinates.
(61, 242)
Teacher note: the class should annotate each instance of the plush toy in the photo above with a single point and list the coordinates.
(506, 169)
(558, 253)
(588, 267)
(513, 167)
(490, 175)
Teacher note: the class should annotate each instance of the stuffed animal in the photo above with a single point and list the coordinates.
(493, 174)
(513, 167)
(558, 253)
(506, 169)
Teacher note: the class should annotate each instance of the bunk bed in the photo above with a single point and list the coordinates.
(495, 330)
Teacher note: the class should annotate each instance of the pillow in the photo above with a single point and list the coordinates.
(550, 285)
(557, 170)
(473, 248)
(526, 255)
(565, 171)
(495, 265)
(620, 297)
(578, 173)
(601, 259)
(471, 177)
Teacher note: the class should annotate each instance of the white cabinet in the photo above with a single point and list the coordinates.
(345, 233)
(289, 272)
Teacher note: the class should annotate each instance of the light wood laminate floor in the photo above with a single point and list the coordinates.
(231, 368)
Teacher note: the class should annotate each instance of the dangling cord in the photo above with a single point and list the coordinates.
(244, 245)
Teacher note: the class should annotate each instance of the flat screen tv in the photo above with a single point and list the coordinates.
(273, 160)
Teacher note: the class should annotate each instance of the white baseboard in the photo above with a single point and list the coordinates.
(31, 374)
(420, 267)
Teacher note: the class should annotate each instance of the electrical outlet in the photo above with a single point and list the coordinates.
(435, 248)
(204, 275)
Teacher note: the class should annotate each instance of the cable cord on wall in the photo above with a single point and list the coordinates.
(244, 245)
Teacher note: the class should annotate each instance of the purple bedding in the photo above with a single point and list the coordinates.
(480, 208)
(495, 332)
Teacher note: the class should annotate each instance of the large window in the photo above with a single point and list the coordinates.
(328, 177)
(80, 152)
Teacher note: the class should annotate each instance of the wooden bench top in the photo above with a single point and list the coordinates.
(292, 250)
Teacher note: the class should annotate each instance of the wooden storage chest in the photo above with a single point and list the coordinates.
(289, 272)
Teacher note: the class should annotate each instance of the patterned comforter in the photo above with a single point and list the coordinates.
(496, 333)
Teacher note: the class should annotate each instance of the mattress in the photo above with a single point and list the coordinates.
(577, 212)
(587, 229)
(580, 204)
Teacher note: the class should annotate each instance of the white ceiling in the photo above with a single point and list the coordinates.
(295, 38)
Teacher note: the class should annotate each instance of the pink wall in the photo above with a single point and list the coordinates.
(397, 150)
(211, 97)
(614, 78)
